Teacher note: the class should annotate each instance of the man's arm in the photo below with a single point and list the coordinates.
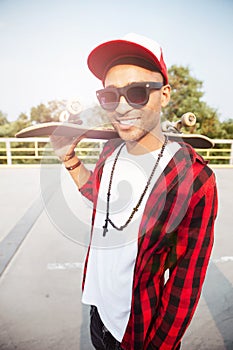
(65, 150)
(86, 180)
(183, 288)
(79, 174)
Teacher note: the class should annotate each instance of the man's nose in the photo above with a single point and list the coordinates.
(123, 106)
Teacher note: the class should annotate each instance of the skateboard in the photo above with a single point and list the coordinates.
(71, 127)
(173, 131)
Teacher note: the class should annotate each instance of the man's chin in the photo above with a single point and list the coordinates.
(131, 136)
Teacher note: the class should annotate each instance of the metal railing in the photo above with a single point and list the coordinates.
(33, 150)
(14, 151)
(221, 154)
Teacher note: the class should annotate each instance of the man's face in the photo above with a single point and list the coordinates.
(133, 124)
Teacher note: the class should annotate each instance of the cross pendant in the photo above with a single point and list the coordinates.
(105, 227)
(105, 231)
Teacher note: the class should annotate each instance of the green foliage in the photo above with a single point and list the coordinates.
(185, 93)
(186, 96)
(39, 114)
(47, 113)
(3, 118)
(227, 129)
(10, 129)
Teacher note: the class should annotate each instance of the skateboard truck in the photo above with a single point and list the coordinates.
(72, 112)
(173, 131)
(187, 119)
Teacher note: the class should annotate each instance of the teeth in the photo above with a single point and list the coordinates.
(127, 122)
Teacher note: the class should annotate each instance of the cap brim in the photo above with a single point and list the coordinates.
(103, 56)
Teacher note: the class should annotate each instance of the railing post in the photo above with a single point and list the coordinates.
(101, 146)
(8, 152)
(36, 149)
(231, 156)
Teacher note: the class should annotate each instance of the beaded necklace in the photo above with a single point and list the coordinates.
(107, 219)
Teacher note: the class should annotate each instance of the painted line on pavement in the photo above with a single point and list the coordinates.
(79, 265)
(65, 266)
(11, 243)
(223, 259)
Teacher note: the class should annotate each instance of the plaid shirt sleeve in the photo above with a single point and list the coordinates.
(191, 254)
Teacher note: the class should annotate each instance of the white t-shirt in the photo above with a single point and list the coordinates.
(110, 269)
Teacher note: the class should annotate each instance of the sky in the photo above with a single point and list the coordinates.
(45, 44)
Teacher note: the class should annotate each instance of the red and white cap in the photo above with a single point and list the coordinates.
(132, 49)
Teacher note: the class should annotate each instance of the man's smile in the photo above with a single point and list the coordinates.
(127, 121)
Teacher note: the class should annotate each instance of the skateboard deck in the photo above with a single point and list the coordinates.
(66, 129)
(74, 130)
(195, 140)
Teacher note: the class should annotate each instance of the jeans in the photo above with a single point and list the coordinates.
(101, 338)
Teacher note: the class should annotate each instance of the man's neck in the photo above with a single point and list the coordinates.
(149, 143)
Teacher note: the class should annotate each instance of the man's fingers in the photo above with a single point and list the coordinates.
(76, 140)
(64, 146)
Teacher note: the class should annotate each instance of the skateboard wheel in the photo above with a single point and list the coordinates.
(64, 116)
(74, 106)
(188, 119)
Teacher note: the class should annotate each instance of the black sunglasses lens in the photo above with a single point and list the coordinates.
(137, 95)
(108, 100)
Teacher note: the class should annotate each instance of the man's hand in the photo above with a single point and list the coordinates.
(64, 147)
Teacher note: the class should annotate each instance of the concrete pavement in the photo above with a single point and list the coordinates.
(40, 289)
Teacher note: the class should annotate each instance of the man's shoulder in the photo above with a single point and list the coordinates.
(194, 162)
(203, 176)
(191, 154)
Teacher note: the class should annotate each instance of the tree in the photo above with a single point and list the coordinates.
(3, 118)
(4, 124)
(56, 107)
(47, 113)
(227, 128)
(186, 96)
(40, 114)
(185, 92)
(10, 129)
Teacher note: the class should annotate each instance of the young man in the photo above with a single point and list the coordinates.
(154, 205)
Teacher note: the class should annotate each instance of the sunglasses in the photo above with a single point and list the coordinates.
(136, 94)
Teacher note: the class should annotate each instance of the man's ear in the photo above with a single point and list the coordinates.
(165, 97)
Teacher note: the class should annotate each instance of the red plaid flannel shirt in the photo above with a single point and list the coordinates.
(176, 233)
